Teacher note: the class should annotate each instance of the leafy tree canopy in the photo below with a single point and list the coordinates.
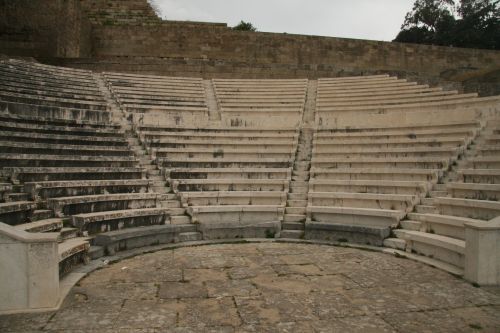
(459, 23)
(245, 26)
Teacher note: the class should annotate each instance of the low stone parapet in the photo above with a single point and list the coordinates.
(131, 238)
(343, 233)
(31, 282)
(482, 245)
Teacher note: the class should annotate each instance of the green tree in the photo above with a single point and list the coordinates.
(244, 26)
(462, 23)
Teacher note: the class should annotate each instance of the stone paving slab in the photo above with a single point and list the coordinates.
(267, 287)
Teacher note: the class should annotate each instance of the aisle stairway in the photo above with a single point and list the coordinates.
(295, 210)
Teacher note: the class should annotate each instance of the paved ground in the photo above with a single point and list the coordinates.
(268, 287)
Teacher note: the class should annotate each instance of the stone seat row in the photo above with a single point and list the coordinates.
(225, 173)
(396, 100)
(20, 135)
(58, 126)
(12, 71)
(370, 151)
(401, 174)
(381, 162)
(375, 92)
(52, 189)
(11, 147)
(52, 101)
(217, 152)
(38, 160)
(49, 68)
(19, 175)
(55, 112)
(408, 93)
(59, 94)
(51, 89)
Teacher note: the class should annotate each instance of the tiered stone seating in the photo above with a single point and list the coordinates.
(36, 90)
(377, 100)
(234, 183)
(371, 178)
(261, 103)
(161, 100)
(63, 165)
(471, 197)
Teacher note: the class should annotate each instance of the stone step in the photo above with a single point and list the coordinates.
(297, 203)
(395, 243)
(17, 188)
(426, 209)
(438, 194)
(439, 187)
(155, 172)
(427, 201)
(190, 236)
(293, 226)
(297, 196)
(294, 218)
(18, 197)
(156, 178)
(160, 189)
(410, 225)
(96, 252)
(295, 210)
(170, 204)
(67, 233)
(180, 219)
(149, 167)
(302, 189)
(41, 214)
(176, 211)
(292, 234)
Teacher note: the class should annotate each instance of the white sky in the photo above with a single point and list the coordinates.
(365, 19)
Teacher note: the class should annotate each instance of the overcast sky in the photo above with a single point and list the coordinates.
(365, 19)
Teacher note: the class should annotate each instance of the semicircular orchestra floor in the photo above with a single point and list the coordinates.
(268, 287)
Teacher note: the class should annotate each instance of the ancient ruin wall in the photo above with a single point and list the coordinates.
(43, 28)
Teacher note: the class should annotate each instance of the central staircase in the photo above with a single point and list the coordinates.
(295, 211)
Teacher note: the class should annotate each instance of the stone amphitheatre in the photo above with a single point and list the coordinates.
(161, 176)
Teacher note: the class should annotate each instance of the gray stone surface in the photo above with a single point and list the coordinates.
(268, 287)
